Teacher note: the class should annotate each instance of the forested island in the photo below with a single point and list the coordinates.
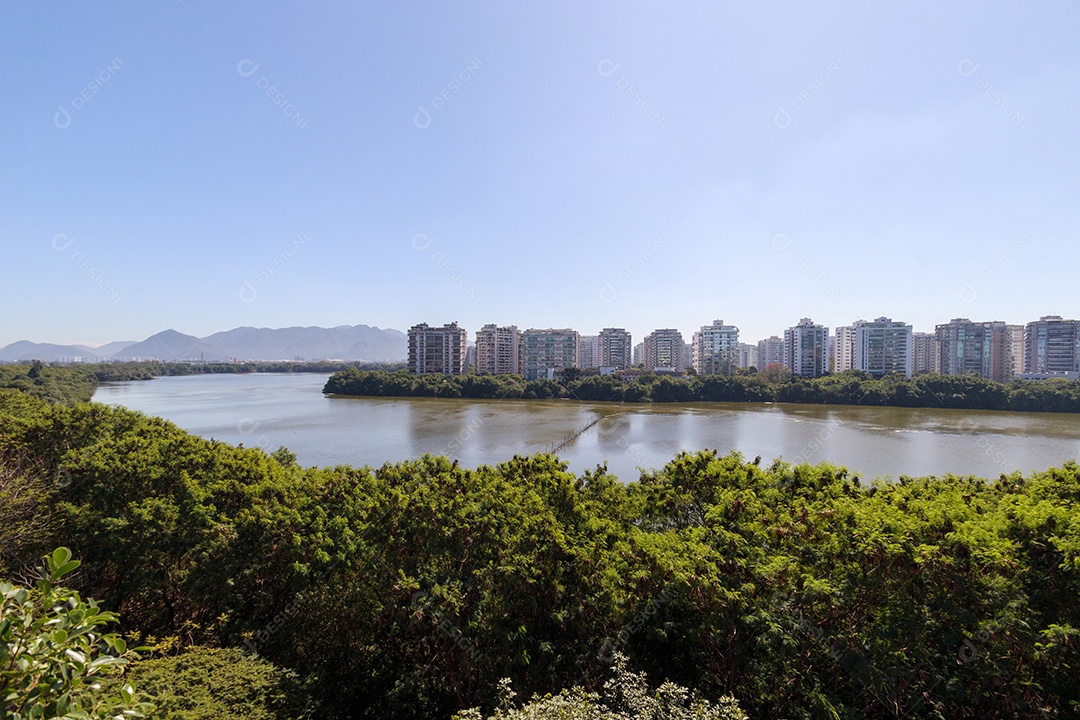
(246, 586)
(852, 387)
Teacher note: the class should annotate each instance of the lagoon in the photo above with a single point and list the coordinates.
(289, 409)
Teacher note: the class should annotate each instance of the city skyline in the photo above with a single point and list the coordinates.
(1048, 347)
(200, 167)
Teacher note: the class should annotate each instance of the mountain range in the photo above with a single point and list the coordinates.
(344, 342)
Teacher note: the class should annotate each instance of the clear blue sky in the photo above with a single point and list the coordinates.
(201, 165)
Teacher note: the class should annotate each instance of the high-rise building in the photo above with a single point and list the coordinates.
(925, 355)
(882, 347)
(662, 351)
(1014, 344)
(639, 354)
(770, 352)
(748, 355)
(716, 349)
(980, 348)
(548, 350)
(498, 350)
(616, 348)
(1052, 345)
(589, 351)
(806, 350)
(844, 346)
(437, 350)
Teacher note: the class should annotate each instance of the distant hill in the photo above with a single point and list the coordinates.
(170, 346)
(345, 342)
(113, 348)
(46, 352)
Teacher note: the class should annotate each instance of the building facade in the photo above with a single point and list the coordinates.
(662, 351)
(588, 352)
(716, 349)
(980, 348)
(748, 356)
(1014, 343)
(1052, 345)
(806, 348)
(882, 347)
(770, 352)
(616, 349)
(844, 346)
(925, 355)
(498, 350)
(548, 350)
(437, 349)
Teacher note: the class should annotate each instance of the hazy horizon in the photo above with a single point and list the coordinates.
(545, 164)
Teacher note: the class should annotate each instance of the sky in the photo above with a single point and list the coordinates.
(200, 166)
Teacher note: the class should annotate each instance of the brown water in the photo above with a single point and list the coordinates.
(271, 410)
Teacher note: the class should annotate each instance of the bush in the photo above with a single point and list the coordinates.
(222, 684)
(626, 695)
(54, 657)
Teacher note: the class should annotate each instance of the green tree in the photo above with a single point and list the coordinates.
(55, 659)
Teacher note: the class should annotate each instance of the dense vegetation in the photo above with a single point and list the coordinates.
(56, 384)
(409, 590)
(852, 387)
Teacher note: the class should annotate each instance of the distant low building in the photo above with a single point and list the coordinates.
(1068, 375)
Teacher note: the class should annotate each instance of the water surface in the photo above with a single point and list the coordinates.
(271, 410)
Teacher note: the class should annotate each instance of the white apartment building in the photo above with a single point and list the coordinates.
(716, 349)
(806, 348)
(498, 350)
